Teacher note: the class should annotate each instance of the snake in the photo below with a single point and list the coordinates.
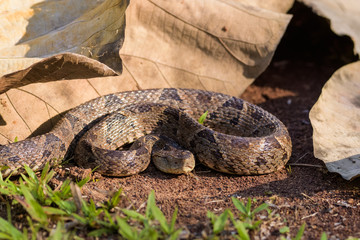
(117, 134)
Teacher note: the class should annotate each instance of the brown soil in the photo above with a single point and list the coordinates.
(303, 192)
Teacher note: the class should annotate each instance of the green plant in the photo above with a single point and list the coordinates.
(247, 215)
(45, 205)
(152, 225)
(323, 236)
(246, 219)
(299, 234)
(218, 222)
(203, 117)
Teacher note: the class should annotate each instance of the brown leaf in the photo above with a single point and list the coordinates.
(40, 29)
(336, 121)
(214, 45)
(62, 66)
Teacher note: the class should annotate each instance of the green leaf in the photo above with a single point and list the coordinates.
(33, 229)
(8, 231)
(248, 207)
(45, 174)
(5, 236)
(133, 214)
(220, 222)
(323, 236)
(53, 211)
(241, 230)
(83, 181)
(109, 218)
(149, 233)
(99, 232)
(284, 229)
(175, 235)
(32, 206)
(300, 232)
(158, 215)
(125, 230)
(150, 202)
(239, 205)
(211, 216)
(58, 233)
(260, 208)
(173, 220)
(79, 218)
(30, 173)
(203, 117)
(115, 199)
(255, 225)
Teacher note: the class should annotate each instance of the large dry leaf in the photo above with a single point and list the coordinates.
(219, 45)
(62, 66)
(336, 121)
(37, 29)
(343, 15)
(213, 44)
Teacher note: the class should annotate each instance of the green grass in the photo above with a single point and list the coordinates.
(203, 117)
(48, 210)
(63, 214)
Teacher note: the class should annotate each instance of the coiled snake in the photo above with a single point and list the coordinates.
(237, 137)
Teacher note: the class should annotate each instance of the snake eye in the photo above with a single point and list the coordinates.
(165, 147)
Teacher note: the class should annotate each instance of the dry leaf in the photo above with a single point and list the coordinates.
(336, 121)
(272, 5)
(219, 45)
(38, 29)
(343, 15)
(63, 66)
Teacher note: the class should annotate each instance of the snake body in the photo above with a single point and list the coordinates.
(237, 137)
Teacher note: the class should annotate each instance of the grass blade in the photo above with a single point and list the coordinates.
(260, 208)
(300, 232)
(134, 214)
(241, 230)
(8, 231)
(173, 220)
(125, 230)
(32, 206)
(220, 222)
(239, 205)
(115, 199)
(203, 117)
(323, 236)
(158, 215)
(150, 202)
(248, 207)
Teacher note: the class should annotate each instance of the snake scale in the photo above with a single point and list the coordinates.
(237, 137)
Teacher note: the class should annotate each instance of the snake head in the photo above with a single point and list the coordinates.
(170, 157)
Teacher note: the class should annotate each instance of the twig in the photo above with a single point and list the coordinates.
(305, 195)
(304, 165)
(302, 156)
(311, 215)
(214, 201)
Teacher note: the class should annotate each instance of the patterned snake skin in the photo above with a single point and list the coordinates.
(237, 137)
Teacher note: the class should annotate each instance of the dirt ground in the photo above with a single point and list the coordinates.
(303, 192)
